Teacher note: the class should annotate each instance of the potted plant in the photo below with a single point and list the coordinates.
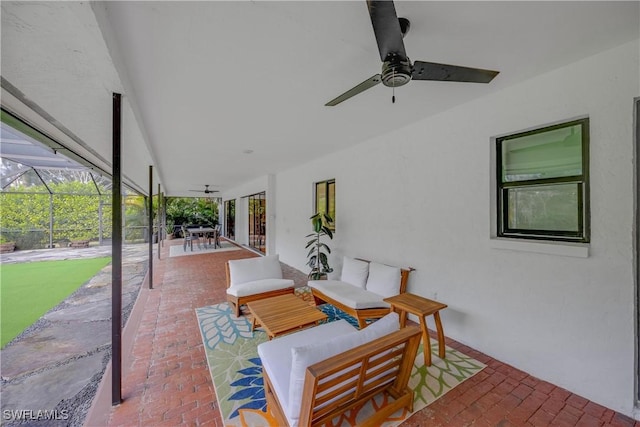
(318, 250)
(170, 228)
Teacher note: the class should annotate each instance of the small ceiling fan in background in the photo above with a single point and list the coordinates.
(206, 190)
(397, 69)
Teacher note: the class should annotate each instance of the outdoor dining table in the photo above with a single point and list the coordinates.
(203, 232)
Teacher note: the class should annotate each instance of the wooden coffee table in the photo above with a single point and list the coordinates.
(282, 314)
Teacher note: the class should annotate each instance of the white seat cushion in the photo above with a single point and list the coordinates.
(276, 357)
(383, 280)
(252, 269)
(354, 271)
(259, 286)
(349, 295)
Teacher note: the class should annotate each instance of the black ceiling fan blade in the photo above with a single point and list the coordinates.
(369, 83)
(451, 73)
(386, 28)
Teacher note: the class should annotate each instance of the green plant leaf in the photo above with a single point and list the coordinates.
(317, 259)
(323, 245)
(317, 224)
(323, 259)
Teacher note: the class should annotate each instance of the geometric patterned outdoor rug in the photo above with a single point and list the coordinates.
(236, 371)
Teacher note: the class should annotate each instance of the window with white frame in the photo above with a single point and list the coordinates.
(543, 183)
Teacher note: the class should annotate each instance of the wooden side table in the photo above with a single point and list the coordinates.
(421, 307)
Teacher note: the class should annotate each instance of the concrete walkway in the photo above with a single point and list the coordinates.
(51, 371)
(56, 254)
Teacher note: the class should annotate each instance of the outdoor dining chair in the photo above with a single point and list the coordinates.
(189, 238)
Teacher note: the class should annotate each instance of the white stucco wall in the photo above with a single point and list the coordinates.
(420, 197)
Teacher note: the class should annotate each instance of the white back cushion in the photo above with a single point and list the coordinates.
(251, 269)
(384, 280)
(354, 272)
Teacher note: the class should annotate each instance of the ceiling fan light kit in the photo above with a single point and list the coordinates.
(397, 69)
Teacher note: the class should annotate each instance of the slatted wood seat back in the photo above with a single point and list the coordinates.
(349, 379)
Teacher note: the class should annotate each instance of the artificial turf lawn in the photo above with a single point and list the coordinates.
(30, 289)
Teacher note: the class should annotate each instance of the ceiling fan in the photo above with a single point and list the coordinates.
(206, 190)
(397, 69)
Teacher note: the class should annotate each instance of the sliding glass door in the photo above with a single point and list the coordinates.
(230, 219)
(258, 221)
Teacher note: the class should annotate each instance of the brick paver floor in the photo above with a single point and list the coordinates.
(168, 383)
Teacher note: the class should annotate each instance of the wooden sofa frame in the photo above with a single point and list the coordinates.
(379, 366)
(367, 313)
(236, 302)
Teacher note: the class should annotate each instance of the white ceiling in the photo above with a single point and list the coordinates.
(206, 81)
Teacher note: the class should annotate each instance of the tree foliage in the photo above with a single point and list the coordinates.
(77, 211)
(192, 211)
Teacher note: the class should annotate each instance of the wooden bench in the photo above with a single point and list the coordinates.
(346, 380)
(79, 244)
(7, 247)
(362, 300)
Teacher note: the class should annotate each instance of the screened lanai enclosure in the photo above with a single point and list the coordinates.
(50, 200)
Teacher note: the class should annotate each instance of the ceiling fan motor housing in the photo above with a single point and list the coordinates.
(396, 71)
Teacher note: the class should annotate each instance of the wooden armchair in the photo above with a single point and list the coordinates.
(347, 380)
(256, 278)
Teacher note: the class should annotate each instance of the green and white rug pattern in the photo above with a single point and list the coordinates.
(236, 370)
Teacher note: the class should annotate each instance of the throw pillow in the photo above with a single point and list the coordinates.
(383, 280)
(355, 272)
